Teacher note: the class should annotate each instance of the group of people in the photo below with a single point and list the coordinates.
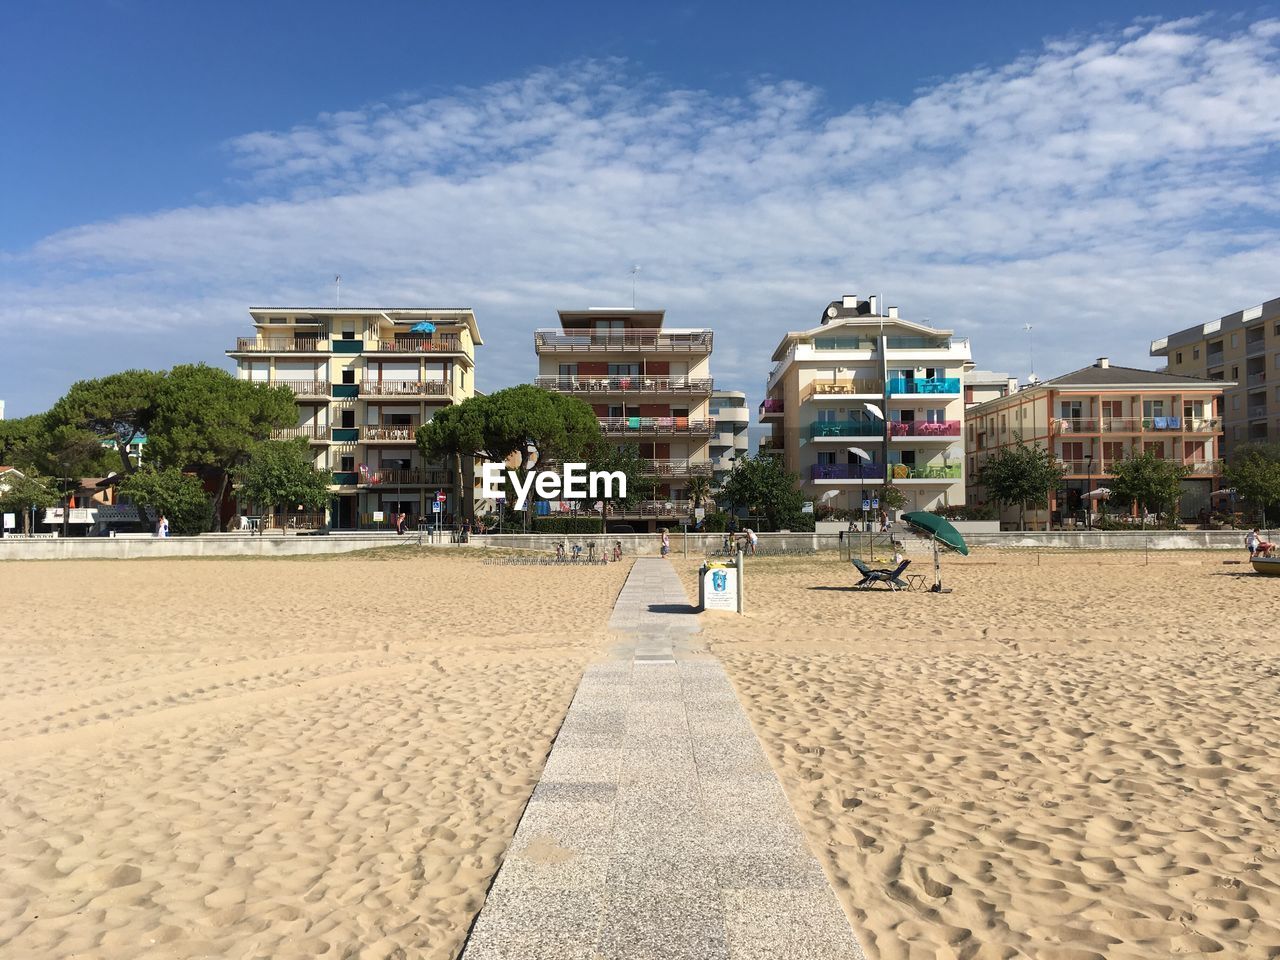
(1257, 546)
(576, 552)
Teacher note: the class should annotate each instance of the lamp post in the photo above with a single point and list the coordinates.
(862, 474)
(878, 413)
(1088, 494)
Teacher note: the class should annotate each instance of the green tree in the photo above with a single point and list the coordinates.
(20, 493)
(21, 441)
(762, 486)
(119, 407)
(699, 490)
(179, 496)
(455, 434)
(1150, 481)
(208, 422)
(281, 474)
(624, 459)
(1254, 471)
(1020, 475)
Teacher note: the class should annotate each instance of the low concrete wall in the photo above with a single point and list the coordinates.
(1113, 539)
(209, 545)
(650, 544)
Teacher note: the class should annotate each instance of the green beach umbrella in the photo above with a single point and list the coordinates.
(934, 527)
(940, 532)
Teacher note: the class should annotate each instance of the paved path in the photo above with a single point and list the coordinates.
(658, 829)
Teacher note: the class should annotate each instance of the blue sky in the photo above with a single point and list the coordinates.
(1105, 171)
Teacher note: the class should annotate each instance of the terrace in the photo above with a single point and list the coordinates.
(677, 468)
(623, 341)
(390, 433)
(924, 428)
(311, 432)
(405, 476)
(280, 345)
(840, 429)
(406, 388)
(435, 343)
(841, 389)
(770, 407)
(304, 388)
(910, 385)
(820, 472)
(639, 426)
(688, 386)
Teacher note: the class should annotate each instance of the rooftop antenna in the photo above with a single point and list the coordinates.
(337, 292)
(1031, 352)
(635, 269)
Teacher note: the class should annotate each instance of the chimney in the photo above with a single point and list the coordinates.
(849, 301)
(893, 313)
(873, 300)
(1103, 363)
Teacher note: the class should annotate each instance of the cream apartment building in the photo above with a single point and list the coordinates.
(365, 379)
(831, 383)
(729, 441)
(1242, 350)
(650, 385)
(1093, 418)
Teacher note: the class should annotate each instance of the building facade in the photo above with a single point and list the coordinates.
(1095, 417)
(365, 379)
(649, 385)
(829, 383)
(1242, 350)
(729, 441)
(983, 385)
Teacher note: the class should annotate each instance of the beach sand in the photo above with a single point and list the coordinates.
(1066, 761)
(274, 758)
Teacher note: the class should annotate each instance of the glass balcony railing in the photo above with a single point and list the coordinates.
(940, 471)
(771, 405)
(846, 471)
(924, 428)
(901, 385)
(846, 428)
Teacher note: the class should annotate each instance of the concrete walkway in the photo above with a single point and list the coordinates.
(658, 829)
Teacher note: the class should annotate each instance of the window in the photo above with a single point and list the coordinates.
(348, 376)
(1112, 451)
(1112, 409)
(1235, 340)
(1236, 432)
(1177, 358)
(347, 463)
(1235, 373)
(1004, 421)
(1235, 402)
(624, 369)
(348, 419)
(1195, 353)
(969, 427)
(827, 457)
(610, 326)
(348, 330)
(568, 369)
(1071, 409)
(1152, 408)
(826, 416)
(1154, 446)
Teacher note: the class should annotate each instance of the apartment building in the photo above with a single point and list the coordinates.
(1242, 350)
(1093, 418)
(729, 441)
(830, 385)
(650, 385)
(983, 385)
(365, 379)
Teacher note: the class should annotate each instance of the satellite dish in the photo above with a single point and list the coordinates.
(832, 311)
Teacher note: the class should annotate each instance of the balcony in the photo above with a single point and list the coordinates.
(1258, 412)
(390, 433)
(436, 343)
(924, 428)
(650, 426)
(1255, 346)
(1075, 425)
(1256, 379)
(407, 388)
(841, 389)
(1202, 425)
(313, 433)
(405, 477)
(677, 468)
(684, 386)
(304, 388)
(1204, 468)
(904, 385)
(940, 471)
(1099, 469)
(1121, 425)
(771, 407)
(842, 429)
(625, 341)
(279, 345)
(832, 472)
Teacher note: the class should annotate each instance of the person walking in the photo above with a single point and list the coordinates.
(752, 540)
(666, 542)
(162, 528)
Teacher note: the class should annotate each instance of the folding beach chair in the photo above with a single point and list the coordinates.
(890, 578)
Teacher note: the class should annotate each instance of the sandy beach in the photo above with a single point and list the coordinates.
(1069, 761)
(274, 758)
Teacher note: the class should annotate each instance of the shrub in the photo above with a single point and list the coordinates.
(566, 525)
(966, 511)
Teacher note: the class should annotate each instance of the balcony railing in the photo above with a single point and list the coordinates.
(1257, 413)
(833, 429)
(291, 433)
(1202, 424)
(939, 471)
(1075, 425)
(279, 345)
(846, 471)
(406, 388)
(304, 388)
(656, 425)
(770, 406)
(1255, 379)
(404, 476)
(1101, 468)
(924, 428)
(1255, 346)
(901, 385)
(1121, 425)
(843, 388)
(678, 468)
(389, 433)
(634, 384)
(625, 341)
(437, 343)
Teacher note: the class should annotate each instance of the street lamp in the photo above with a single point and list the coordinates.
(878, 413)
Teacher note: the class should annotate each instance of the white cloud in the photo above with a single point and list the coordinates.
(1108, 190)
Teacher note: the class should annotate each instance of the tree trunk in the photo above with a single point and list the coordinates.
(26, 521)
(463, 509)
(1022, 516)
(215, 523)
(122, 447)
